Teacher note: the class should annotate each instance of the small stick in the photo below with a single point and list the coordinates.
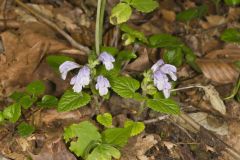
(54, 26)
(160, 118)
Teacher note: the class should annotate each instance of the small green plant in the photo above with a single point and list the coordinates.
(25, 130)
(87, 142)
(192, 13)
(232, 2)
(23, 101)
(231, 35)
(123, 10)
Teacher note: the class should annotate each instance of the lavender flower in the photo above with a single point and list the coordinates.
(162, 83)
(170, 70)
(107, 59)
(160, 78)
(81, 80)
(66, 67)
(156, 66)
(102, 85)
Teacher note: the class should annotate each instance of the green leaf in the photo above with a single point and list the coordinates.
(116, 136)
(139, 97)
(120, 13)
(16, 96)
(145, 6)
(232, 2)
(231, 35)
(126, 56)
(12, 112)
(128, 39)
(104, 152)
(72, 100)
(48, 101)
(168, 106)
(105, 119)
(165, 41)
(125, 86)
(36, 88)
(192, 13)
(1, 117)
(190, 58)
(55, 61)
(235, 89)
(173, 56)
(136, 127)
(85, 132)
(134, 33)
(237, 64)
(112, 50)
(25, 130)
(26, 101)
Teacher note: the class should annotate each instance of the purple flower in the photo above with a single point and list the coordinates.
(66, 67)
(107, 59)
(102, 85)
(170, 70)
(161, 72)
(81, 80)
(156, 66)
(161, 82)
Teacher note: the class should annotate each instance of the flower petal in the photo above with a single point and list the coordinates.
(82, 79)
(170, 70)
(108, 66)
(102, 85)
(156, 66)
(103, 91)
(66, 67)
(166, 93)
(107, 59)
(73, 80)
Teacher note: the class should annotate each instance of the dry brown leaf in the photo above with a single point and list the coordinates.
(137, 147)
(49, 116)
(210, 123)
(141, 63)
(168, 15)
(214, 98)
(218, 65)
(218, 71)
(54, 149)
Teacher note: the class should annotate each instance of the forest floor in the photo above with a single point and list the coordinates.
(203, 131)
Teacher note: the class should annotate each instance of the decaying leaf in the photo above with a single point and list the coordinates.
(210, 123)
(137, 147)
(214, 98)
(54, 150)
(219, 67)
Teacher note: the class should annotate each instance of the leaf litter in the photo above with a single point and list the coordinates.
(33, 41)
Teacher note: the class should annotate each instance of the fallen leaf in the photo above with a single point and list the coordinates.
(215, 20)
(54, 150)
(168, 15)
(219, 67)
(141, 63)
(210, 123)
(138, 146)
(214, 98)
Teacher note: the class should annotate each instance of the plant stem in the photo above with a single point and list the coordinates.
(99, 24)
(188, 87)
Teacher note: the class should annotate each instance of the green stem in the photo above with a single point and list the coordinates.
(99, 24)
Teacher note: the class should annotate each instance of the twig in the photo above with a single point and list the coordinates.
(54, 26)
(160, 118)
